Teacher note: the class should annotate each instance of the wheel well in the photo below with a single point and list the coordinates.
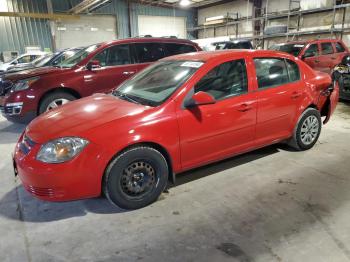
(56, 90)
(155, 146)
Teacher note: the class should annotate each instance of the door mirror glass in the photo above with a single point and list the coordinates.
(200, 98)
(94, 64)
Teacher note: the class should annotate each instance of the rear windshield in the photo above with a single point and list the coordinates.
(293, 49)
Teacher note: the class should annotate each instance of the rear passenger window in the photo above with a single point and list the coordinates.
(149, 52)
(225, 80)
(293, 71)
(339, 47)
(311, 51)
(270, 72)
(175, 49)
(326, 48)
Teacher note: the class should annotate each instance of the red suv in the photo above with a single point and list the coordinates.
(180, 113)
(96, 69)
(322, 55)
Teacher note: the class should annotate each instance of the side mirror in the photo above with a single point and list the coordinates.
(200, 98)
(303, 57)
(94, 64)
(14, 62)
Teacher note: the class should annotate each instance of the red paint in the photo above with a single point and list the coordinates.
(77, 80)
(192, 136)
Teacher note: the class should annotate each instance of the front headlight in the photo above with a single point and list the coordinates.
(24, 83)
(61, 149)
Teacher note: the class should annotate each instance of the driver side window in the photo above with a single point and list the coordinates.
(225, 80)
(114, 56)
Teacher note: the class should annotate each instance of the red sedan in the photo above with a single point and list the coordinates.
(182, 112)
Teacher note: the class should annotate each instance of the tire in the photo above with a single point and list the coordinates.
(308, 119)
(125, 178)
(51, 98)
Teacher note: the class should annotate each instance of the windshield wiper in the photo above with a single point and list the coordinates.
(125, 96)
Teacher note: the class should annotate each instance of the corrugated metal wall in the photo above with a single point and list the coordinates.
(16, 33)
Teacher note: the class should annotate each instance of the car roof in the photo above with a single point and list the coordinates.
(310, 41)
(205, 56)
(149, 39)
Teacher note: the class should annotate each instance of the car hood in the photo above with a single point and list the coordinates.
(33, 72)
(78, 117)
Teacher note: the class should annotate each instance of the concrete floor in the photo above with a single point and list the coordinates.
(273, 204)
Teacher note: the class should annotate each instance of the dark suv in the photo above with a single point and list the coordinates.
(97, 68)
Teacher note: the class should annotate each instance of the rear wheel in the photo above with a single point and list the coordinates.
(308, 130)
(136, 178)
(54, 100)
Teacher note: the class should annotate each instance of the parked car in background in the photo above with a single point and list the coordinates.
(22, 59)
(235, 44)
(47, 60)
(95, 69)
(322, 55)
(182, 112)
(341, 74)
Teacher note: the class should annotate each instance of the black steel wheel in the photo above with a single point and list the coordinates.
(136, 177)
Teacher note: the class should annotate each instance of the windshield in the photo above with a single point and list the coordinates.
(293, 49)
(79, 56)
(158, 82)
(42, 61)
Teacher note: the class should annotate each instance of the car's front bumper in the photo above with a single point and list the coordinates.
(75, 179)
(17, 107)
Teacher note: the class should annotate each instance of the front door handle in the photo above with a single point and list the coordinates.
(317, 61)
(244, 108)
(128, 72)
(295, 95)
(333, 58)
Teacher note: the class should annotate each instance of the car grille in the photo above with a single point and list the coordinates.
(26, 145)
(5, 86)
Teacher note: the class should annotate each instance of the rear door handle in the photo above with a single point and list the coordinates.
(333, 58)
(317, 61)
(128, 72)
(244, 108)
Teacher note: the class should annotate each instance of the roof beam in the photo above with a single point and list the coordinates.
(82, 6)
(40, 15)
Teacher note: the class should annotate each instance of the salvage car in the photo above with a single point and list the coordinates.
(22, 59)
(341, 74)
(97, 68)
(322, 54)
(182, 112)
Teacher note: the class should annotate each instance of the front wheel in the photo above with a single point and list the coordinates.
(54, 100)
(307, 130)
(136, 177)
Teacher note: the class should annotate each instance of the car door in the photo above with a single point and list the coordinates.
(116, 64)
(311, 56)
(211, 132)
(327, 57)
(279, 94)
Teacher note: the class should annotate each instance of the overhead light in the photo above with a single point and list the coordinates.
(185, 2)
